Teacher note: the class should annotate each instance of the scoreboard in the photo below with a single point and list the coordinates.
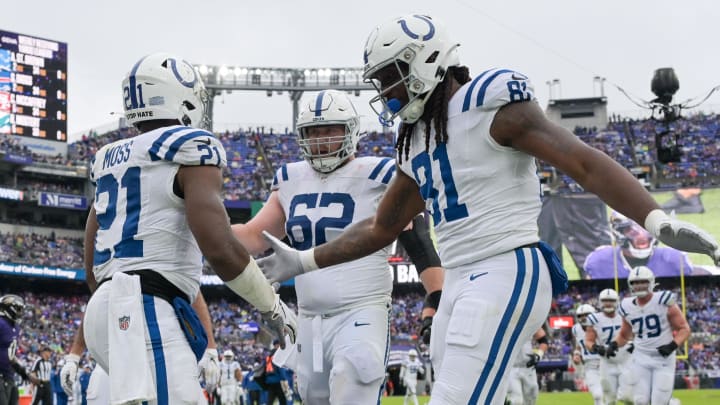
(33, 87)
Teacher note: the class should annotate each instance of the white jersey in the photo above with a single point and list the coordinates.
(412, 368)
(227, 372)
(142, 222)
(524, 355)
(579, 334)
(317, 208)
(484, 197)
(607, 329)
(649, 322)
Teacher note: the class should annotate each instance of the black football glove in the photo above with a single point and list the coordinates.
(611, 349)
(668, 349)
(425, 330)
(599, 349)
(534, 360)
(631, 347)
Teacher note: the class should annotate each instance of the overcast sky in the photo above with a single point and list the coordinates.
(572, 40)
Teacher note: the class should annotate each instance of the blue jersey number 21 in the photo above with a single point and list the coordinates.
(453, 211)
(128, 246)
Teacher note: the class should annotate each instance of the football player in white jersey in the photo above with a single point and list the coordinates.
(466, 151)
(230, 377)
(659, 328)
(583, 358)
(157, 212)
(616, 376)
(343, 310)
(523, 388)
(409, 375)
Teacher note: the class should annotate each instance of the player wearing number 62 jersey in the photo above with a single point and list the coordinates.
(659, 328)
(157, 211)
(466, 150)
(343, 310)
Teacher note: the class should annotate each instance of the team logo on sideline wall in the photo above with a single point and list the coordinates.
(124, 322)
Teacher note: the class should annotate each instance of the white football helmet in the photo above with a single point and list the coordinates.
(633, 238)
(161, 86)
(582, 312)
(329, 107)
(421, 50)
(608, 300)
(641, 273)
(228, 354)
(412, 353)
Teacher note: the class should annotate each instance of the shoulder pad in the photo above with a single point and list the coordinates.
(189, 147)
(496, 87)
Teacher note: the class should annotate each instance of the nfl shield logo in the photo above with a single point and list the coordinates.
(124, 322)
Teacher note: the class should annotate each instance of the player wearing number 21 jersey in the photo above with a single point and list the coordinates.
(157, 211)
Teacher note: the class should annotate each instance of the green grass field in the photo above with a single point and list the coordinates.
(709, 221)
(686, 397)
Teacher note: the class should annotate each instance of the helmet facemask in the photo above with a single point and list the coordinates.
(326, 153)
(328, 130)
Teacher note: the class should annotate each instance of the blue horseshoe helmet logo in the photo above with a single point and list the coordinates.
(173, 67)
(426, 37)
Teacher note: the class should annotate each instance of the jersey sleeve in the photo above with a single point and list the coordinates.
(189, 147)
(593, 319)
(667, 298)
(281, 176)
(494, 88)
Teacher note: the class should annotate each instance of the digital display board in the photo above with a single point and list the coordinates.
(33, 87)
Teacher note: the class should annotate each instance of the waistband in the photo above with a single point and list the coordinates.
(153, 283)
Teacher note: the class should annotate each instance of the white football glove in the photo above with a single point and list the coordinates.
(681, 235)
(281, 321)
(210, 369)
(286, 262)
(68, 373)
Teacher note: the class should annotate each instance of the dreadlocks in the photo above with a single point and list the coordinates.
(436, 111)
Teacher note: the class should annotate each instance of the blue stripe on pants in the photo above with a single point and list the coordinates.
(156, 340)
(521, 324)
(504, 325)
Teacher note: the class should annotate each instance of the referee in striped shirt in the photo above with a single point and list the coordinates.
(42, 370)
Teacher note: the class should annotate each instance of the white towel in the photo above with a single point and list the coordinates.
(132, 378)
(286, 357)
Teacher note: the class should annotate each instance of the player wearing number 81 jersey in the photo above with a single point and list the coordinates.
(659, 327)
(466, 148)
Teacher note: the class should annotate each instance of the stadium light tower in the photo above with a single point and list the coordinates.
(295, 81)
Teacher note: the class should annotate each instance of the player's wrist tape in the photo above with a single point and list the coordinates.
(307, 260)
(253, 287)
(72, 357)
(653, 221)
(432, 300)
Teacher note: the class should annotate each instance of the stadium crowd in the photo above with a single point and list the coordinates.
(51, 320)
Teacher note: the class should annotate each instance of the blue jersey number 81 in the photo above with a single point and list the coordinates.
(454, 210)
